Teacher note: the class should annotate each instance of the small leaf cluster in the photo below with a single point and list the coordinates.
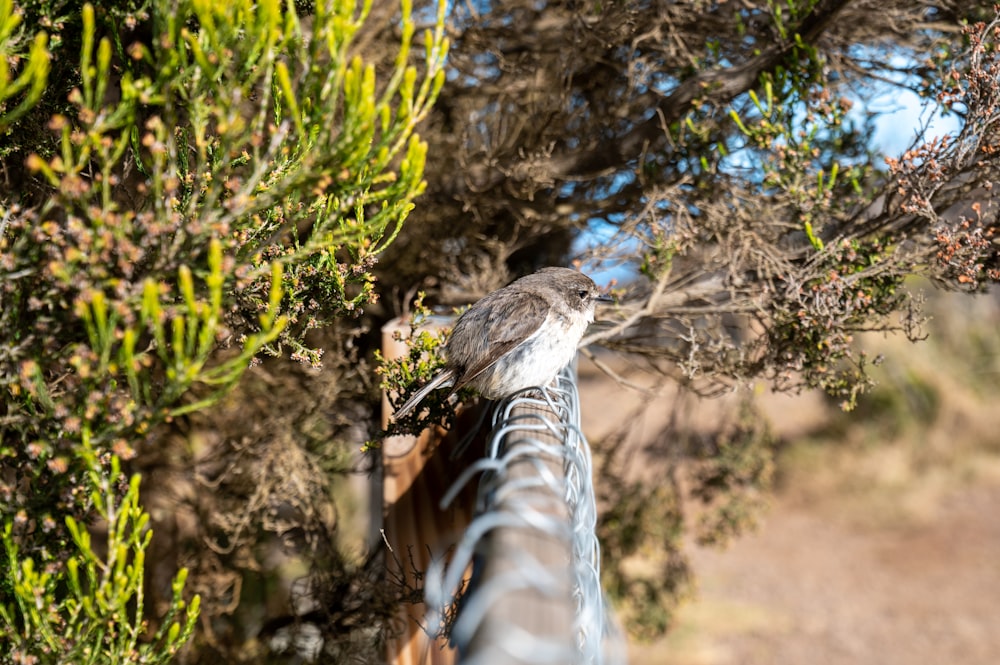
(658, 254)
(402, 376)
(815, 323)
(964, 252)
(20, 88)
(792, 132)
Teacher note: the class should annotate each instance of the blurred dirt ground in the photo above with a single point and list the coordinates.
(881, 544)
(808, 587)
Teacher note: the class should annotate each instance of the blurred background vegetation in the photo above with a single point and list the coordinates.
(876, 540)
(195, 193)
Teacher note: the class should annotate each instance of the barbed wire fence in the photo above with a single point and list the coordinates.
(535, 593)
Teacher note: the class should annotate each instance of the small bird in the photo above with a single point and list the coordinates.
(516, 337)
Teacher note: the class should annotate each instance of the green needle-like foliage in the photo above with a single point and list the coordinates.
(20, 90)
(189, 184)
(89, 607)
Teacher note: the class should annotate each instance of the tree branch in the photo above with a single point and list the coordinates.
(720, 85)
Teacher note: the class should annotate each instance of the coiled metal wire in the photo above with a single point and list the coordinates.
(535, 594)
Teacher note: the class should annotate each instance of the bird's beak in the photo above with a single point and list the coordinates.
(603, 297)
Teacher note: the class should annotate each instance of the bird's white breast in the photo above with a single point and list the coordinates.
(535, 361)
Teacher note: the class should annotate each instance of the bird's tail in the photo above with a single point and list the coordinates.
(441, 380)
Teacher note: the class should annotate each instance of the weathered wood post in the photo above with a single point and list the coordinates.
(416, 472)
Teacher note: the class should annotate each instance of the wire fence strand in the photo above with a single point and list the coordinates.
(535, 593)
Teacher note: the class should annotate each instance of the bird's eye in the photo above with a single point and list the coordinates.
(583, 294)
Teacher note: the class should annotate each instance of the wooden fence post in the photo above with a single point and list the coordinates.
(416, 472)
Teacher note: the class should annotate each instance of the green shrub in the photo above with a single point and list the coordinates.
(203, 183)
(89, 608)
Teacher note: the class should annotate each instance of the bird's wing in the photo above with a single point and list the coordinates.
(492, 327)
